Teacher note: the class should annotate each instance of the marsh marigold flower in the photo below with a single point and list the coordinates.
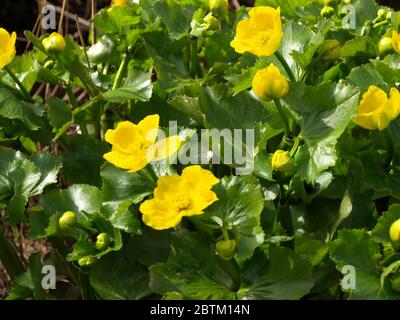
(179, 196)
(396, 41)
(7, 47)
(376, 110)
(134, 145)
(269, 83)
(261, 34)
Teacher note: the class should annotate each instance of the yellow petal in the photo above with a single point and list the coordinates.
(245, 36)
(396, 41)
(148, 128)
(196, 175)
(168, 186)
(200, 200)
(373, 99)
(7, 47)
(126, 161)
(164, 149)
(394, 104)
(159, 214)
(381, 119)
(264, 17)
(365, 121)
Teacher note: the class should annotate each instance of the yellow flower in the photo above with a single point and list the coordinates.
(7, 47)
(119, 3)
(261, 34)
(376, 110)
(282, 161)
(269, 83)
(134, 145)
(394, 231)
(396, 41)
(179, 196)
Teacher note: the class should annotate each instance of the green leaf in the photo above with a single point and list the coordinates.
(238, 209)
(359, 47)
(176, 16)
(13, 107)
(284, 276)
(117, 20)
(298, 47)
(323, 113)
(136, 87)
(59, 113)
(381, 231)
(26, 68)
(294, 8)
(356, 248)
(194, 270)
(21, 178)
(78, 198)
(120, 190)
(83, 159)
(118, 276)
(365, 76)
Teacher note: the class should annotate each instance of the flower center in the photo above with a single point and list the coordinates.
(265, 36)
(182, 201)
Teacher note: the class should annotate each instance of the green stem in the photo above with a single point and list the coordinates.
(225, 233)
(283, 117)
(285, 66)
(120, 72)
(9, 257)
(24, 92)
(295, 146)
(390, 149)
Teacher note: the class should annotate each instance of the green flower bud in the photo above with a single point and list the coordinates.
(394, 231)
(226, 249)
(211, 22)
(86, 261)
(330, 50)
(68, 220)
(382, 13)
(327, 11)
(102, 241)
(385, 45)
(218, 7)
(54, 43)
(282, 161)
(396, 284)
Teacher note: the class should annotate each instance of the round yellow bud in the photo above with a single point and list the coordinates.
(396, 284)
(54, 43)
(102, 241)
(385, 45)
(67, 220)
(394, 231)
(269, 83)
(218, 7)
(282, 161)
